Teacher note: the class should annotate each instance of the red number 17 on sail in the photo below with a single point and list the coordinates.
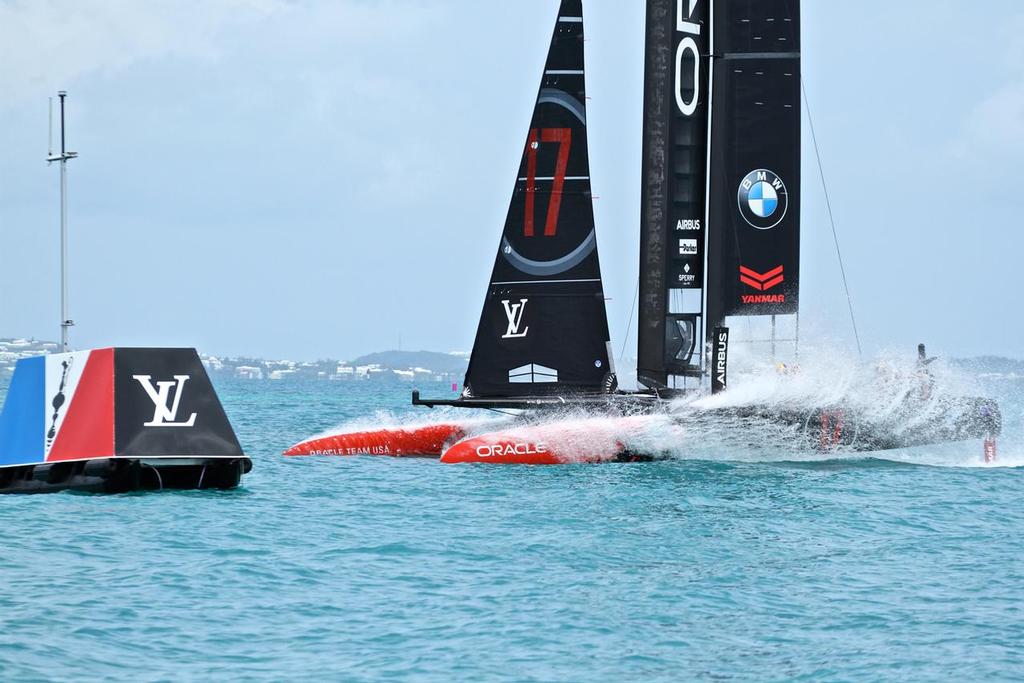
(539, 136)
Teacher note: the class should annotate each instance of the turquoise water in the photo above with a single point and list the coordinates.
(376, 569)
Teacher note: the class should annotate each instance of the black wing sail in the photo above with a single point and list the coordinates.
(674, 178)
(755, 159)
(544, 329)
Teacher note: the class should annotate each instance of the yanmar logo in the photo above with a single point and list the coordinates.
(505, 450)
(762, 282)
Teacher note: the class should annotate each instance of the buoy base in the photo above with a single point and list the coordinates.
(124, 475)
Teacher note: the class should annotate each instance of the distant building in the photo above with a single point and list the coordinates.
(281, 374)
(248, 372)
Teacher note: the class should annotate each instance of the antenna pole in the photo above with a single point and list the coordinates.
(63, 158)
(64, 318)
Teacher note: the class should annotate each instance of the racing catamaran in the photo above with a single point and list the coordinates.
(719, 242)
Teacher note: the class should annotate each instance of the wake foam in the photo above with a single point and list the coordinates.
(716, 428)
(892, 393)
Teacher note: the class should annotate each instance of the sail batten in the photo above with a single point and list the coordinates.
(544, 306)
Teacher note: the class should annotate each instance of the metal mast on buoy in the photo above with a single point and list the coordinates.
(63, 158)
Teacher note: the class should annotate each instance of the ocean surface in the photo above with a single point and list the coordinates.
(738, 566)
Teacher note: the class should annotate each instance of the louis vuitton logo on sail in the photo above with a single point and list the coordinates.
(165, 415)
(514, 313)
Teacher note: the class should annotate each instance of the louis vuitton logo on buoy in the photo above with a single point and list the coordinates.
(164, 416)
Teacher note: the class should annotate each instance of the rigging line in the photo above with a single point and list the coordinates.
(831, 218)
(502, 412)
(629, 325)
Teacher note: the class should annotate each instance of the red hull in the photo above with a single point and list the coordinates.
(429, 441)
(497, 450)
(557, 443)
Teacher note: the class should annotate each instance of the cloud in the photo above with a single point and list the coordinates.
(994, 126)
(46, 44)
(346, 68)
(997, 123)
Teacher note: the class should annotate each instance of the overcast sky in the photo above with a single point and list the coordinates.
(307, 179)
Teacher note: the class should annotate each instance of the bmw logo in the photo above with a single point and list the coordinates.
(763, 199)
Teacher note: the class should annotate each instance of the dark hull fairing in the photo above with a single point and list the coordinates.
(124, 475)
(842, 427)
(829, 428)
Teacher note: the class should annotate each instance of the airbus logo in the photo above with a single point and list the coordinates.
(722, 357)
(763, 199)
(165, 413)
(514, 313)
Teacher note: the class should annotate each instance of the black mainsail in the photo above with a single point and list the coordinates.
(544, 329)
(720, 216)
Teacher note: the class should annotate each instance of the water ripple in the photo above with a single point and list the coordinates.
(368, 569)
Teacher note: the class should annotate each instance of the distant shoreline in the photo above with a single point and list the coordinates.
(409, 366)
(424, 367)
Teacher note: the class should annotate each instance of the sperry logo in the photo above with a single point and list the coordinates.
(514, 313)
(164, 415)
